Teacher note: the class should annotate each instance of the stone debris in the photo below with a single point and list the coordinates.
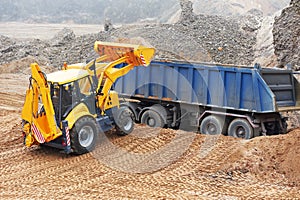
(203, 38)
(287, 36)
(63, 47)
(108, 26)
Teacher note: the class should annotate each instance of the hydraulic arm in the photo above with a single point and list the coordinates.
(116, 60)
(129, 55)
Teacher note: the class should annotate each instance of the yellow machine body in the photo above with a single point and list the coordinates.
(38, 112)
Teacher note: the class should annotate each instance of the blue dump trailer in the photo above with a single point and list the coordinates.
(239, 101)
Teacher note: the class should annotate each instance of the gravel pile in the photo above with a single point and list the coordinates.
(63, 47)
(228, 40)
(287, 35)
(218, 39)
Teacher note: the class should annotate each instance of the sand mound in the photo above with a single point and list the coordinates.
(274, 158)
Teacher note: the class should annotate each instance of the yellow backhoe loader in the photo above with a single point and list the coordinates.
(67, 109)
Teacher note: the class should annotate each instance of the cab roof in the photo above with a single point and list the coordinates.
(66, 76)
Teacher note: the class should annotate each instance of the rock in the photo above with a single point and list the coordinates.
(287, 35)
(187, 14)
(203, 38)
(108, 25)
(251, 21)
(64, 36)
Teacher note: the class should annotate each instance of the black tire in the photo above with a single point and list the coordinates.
(240, 128)
(283, 130)
(124, 121)
(213, 125)
(84, 135)
(152, 119)
(131, 106)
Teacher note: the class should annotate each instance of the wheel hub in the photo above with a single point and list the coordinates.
(86, 136)
(241, 132)
(127, 124)
(151, 122)
(212, 129)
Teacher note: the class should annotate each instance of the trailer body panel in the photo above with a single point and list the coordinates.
(242, 89)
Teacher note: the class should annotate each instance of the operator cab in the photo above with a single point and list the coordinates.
(70, 88)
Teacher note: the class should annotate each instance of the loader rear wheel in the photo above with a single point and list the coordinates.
(240, 128)
(124, 121)
(152, 119)
(84, 135)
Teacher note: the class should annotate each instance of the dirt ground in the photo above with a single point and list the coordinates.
(43, 31)
(148, 164)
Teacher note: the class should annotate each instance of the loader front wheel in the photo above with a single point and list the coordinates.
(84, 135)
(124, 121)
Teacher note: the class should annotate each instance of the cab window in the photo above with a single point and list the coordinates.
(85, 86)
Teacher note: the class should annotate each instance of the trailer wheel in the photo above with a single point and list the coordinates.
(84, 135)
(124, 121)
(284, 127)
(152, 119)
(240, 128)
(212, 125)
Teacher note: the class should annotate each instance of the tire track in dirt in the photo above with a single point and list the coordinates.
(42, 166)
(139, 142)
(188, 167)
(88, 177)
(164, 152)
(220, 154)
(11, 101)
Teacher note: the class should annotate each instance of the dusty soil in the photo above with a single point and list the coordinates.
(43, 31)
(148, 164)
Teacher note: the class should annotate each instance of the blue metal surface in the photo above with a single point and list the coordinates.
(105, 124)
(215, 86)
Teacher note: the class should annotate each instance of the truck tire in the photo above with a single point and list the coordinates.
(124, 121)
(240, 128)
(283, 130)
(132, 107)
(152, 119)
(212, 125)
(84, 135)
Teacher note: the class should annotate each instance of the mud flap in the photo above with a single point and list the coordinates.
(66, 135)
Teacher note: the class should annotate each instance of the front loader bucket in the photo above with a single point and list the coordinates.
(137, 54)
